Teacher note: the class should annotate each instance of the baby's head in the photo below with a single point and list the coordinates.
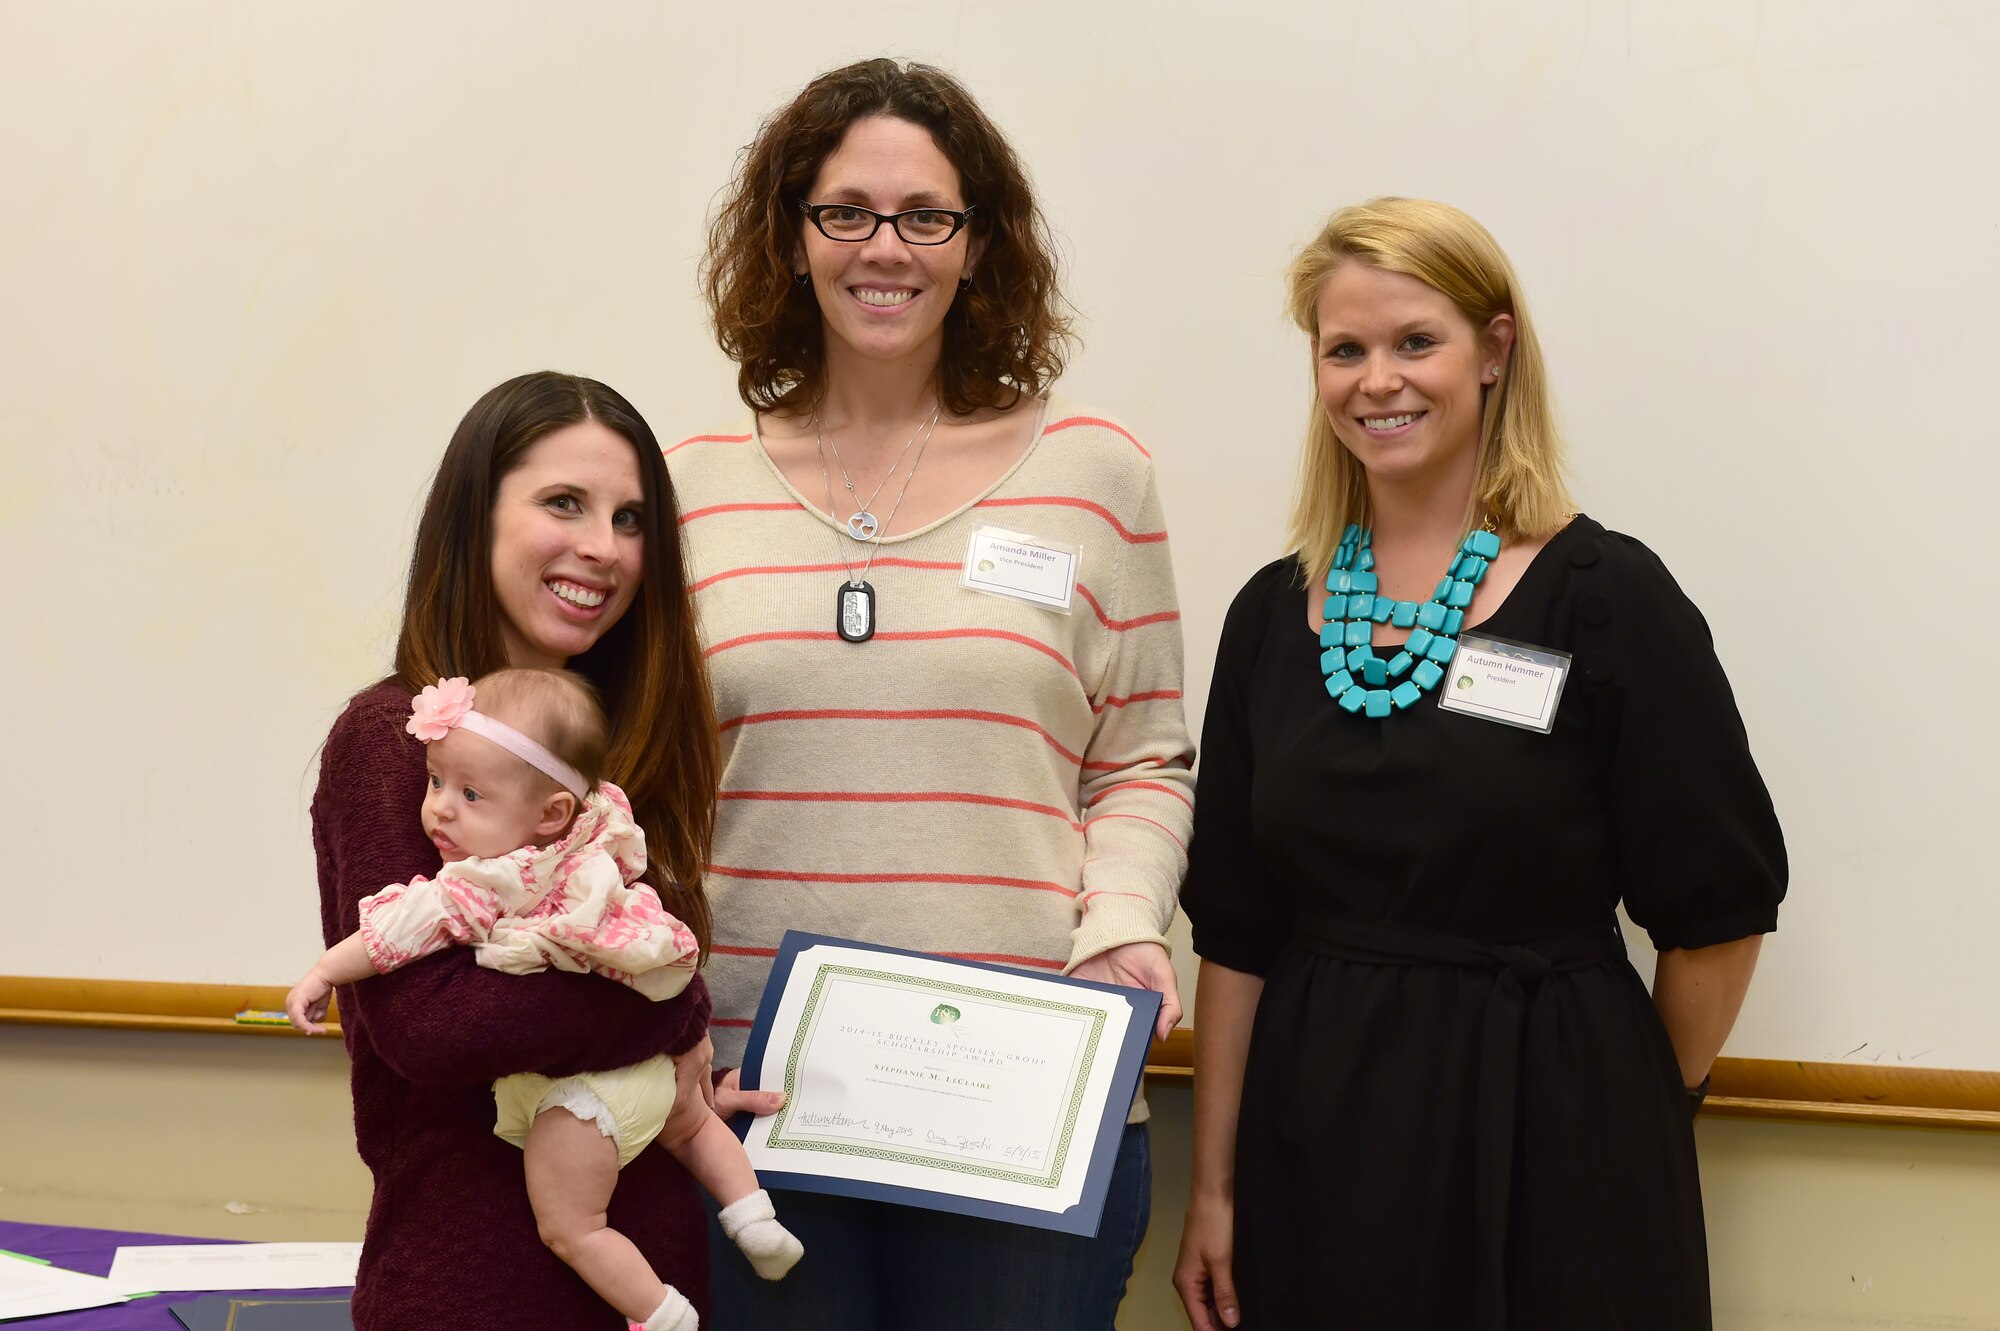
(513, 770)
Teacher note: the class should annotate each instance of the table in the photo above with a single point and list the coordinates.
(90, 1251)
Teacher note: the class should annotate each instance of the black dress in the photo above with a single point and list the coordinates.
(1460, 1108)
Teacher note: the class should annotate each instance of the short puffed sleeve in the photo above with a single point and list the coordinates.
(1699, 854)
(1240, 913)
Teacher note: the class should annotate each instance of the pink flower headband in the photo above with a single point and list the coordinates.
(447, 706)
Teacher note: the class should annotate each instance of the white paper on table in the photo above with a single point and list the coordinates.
(29, 1289)
(194, 1266)
(913, 1072)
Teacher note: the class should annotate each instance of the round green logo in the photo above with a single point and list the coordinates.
(1464, 682)
(985, 566)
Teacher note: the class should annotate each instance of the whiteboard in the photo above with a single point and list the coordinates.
(258, 259)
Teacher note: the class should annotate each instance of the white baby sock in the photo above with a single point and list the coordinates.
(675, 1313)
(752, 1223)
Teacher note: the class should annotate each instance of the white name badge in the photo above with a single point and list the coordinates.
(1006, 563)
(1508, 682)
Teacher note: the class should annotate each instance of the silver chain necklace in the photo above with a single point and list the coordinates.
(854, 602)
(861, 523)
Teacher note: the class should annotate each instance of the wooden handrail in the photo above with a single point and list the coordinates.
(1758, 1088)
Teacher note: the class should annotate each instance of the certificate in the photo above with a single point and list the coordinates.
(953, 1085)
(195, 1266)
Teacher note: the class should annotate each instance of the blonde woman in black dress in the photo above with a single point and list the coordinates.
(1432, 1092)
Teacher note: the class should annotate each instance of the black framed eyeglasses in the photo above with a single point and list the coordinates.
(851, 224)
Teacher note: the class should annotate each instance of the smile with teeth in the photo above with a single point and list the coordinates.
(1390, 422)
(576, 595)
(884, 298)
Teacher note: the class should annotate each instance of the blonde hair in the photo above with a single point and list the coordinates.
(1518, 481)
(558, 709)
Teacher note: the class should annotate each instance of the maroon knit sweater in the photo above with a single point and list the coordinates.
(451, 1242)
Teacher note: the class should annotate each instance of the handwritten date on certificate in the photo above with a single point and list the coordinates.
(900, 1132)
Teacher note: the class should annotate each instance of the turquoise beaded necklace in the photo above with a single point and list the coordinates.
(1358, 679)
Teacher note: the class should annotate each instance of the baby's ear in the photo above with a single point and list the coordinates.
(557, 810)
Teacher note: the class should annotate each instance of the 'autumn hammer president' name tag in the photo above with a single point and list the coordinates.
(1508, 682)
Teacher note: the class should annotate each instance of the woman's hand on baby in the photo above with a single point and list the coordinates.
(1139, 966)
(693, 1100)
(306, 1004)
(691, 1073)
(732, 1099)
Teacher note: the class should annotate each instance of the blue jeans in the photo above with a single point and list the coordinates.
(870, 1266)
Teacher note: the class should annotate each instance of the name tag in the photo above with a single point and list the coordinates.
(1006, 563)
(1508, 682)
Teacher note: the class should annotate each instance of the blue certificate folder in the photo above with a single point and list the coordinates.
(1081, 1218)
(238, 1312)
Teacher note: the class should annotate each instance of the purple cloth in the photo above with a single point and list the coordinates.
(90, 1251)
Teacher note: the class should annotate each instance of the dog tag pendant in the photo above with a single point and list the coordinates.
(854, 612)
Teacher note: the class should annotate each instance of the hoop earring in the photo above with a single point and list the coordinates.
(802, 279)
(965, 283)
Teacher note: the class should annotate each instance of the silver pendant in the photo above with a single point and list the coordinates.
(862, 525)
(854, 612)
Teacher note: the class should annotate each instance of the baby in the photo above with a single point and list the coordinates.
(542, 868)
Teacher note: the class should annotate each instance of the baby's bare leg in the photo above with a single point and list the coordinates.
(717, 1160)
(572, 1169)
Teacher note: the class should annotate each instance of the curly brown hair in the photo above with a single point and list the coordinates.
(1006, 335)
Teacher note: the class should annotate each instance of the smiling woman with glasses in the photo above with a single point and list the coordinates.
(909, 761)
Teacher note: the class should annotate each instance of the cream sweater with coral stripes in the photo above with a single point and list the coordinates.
(985, 778)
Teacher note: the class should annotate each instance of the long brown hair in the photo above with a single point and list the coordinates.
(647, 667)
(1005, 335)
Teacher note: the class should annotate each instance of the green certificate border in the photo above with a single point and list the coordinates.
(1094, 1019)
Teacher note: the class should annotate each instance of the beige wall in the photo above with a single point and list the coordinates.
(242, 1137)
(225, 1136)
(258, 257)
